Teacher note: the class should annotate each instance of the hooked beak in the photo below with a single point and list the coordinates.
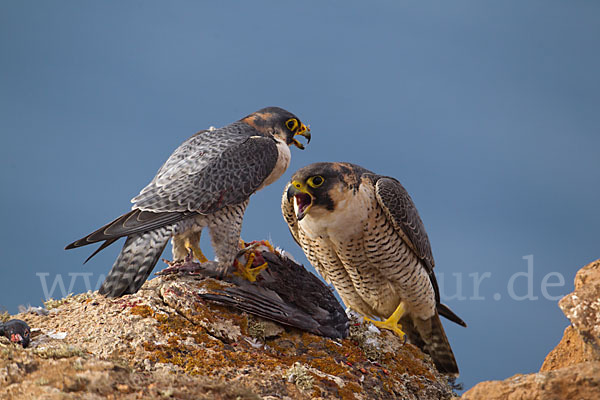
(303, 199)
(303, 131)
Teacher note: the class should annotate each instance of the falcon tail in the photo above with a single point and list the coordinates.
(445, 311)
(135, 221)
(429, 335)
(136, 261)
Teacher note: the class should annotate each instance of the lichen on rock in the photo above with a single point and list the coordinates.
(167, 341)
(300, 376)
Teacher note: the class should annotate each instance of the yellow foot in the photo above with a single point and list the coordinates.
(247, 271)
(196, 251)
(392, 323)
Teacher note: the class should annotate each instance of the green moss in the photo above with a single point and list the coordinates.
(80, 298)
(300, 376)
(365, 339)
(77, 365)
(42, 382)
(5, 316)
(256, 329)
(62, 351)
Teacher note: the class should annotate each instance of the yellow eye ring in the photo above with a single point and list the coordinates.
(291, 124)
(315, 181)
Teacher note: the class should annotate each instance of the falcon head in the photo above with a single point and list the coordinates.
(322, 187)
(280, 124)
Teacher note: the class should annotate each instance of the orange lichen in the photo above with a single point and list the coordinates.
(142, 311)
(212, 285)
(347, 392)
(408, 361)
(212, 354)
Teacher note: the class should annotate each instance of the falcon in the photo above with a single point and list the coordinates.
(362, 232)
(205, 183)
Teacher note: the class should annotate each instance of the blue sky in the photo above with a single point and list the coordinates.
(486, 111)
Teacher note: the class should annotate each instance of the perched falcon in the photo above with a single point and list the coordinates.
(363, 234)
(206, 182)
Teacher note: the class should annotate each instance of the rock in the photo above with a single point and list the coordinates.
(166, 342)
(572, 369)
(571, 350)
(580, 381)
(582, 307)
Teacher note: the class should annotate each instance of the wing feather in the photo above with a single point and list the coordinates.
(403, 214)
(401, 211)
(134, 221)
(211, 170)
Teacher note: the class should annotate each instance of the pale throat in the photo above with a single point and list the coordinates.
(283, 161)
(345, 221)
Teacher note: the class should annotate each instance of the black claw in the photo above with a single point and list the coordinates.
(222, 272)
(16, 331)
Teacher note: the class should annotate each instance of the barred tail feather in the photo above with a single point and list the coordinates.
(136, 261)
(430, 336)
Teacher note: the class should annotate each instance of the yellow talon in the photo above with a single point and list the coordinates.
(252, 273)
(392, 323)
(196, 250)
(249, 273)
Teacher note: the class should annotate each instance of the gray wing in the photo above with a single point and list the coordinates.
(211, 170)
(401, 211)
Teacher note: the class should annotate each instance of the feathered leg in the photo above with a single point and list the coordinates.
(182, 244)
(225, 232)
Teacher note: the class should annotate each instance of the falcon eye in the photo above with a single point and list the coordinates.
(291, 124)
(315, 181)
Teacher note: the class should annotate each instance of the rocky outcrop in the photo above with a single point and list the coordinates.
(570, 351)
(574, 382)
(572, 369)
(582, 307)
(166, 342)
